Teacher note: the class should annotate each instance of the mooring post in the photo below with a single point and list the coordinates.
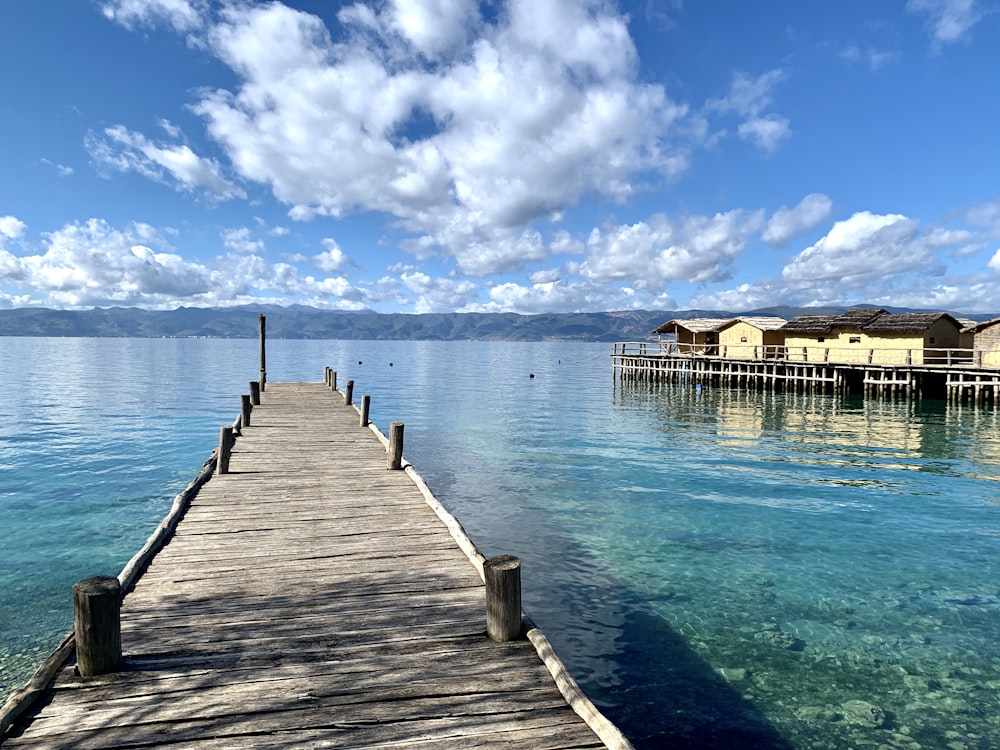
(333, 380)
(254, 392)
(366, 403)
(263, 357)
(396, 445)
(245, 411)
(225, 450)
(503, 597)
(349, 393)
(326, 375)
(97, 625)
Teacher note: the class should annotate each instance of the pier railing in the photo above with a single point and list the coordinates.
(847, 355)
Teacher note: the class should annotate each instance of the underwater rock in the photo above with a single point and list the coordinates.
(780, 639)
(732, 675)
(863, 713)
(816, 714)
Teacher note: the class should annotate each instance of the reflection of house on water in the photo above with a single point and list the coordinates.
(881, 433)
(862, 351)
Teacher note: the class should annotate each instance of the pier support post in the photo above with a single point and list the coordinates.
(366, 403)
(97, 624)
(254, 392)
(225, 450)
(245, 410)
(503, 597)
(263, 357)
(396, 445)
(333, 380)
(349, 393)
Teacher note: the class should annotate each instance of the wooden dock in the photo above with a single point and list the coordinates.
(777, 369)
(313, 598)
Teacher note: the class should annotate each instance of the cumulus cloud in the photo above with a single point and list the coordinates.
(332, 259)
(786, 223)
(183, 15)
(172, 164)
(749, 98)
(651, 253)
(864, 247)
(438, 295)
(11, 227)
(94, 264)
(463, 128)
(948, 21)
(241, 241)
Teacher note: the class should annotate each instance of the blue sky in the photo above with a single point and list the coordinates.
(513, 155)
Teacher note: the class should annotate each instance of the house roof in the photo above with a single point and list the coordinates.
(763, 322)
(696, 325)
(868, 320)
(907, 322)
(975, 327)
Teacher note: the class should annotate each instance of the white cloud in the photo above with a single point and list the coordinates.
(183, 15)
(651, 253)
(749, 98)
(875, 59)
(766, 132)
(949, 21)
(786, 223)
(241, 241)
(11, 227)
(333, 259)
(566, 296)
(176, 165)
(523, 116)
(438, 295)
(859, 250)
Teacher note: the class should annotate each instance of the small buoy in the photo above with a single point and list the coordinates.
(359, 361)
(390, 364)
(531, 375)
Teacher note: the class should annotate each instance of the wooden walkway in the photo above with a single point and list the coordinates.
(310, 598)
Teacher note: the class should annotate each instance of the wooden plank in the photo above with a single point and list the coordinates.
(310, 598)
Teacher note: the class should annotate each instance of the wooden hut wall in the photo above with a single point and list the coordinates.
(740, 340)
(987, 340)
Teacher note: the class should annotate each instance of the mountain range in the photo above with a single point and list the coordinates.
(302, 322)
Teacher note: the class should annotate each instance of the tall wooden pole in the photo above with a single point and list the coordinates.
(395, 460)
(263, 356)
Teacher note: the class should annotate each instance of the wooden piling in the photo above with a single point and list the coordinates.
(366, 403)
(502, 576)
(97, 625)
(395, 445)
(225, 450)
(349, 393)
(333, 380)
(245, 410)
(263, 356)
(255, 392)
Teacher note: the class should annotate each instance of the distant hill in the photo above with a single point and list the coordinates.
(299, 322)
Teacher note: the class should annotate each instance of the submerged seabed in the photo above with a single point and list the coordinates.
(718, 568)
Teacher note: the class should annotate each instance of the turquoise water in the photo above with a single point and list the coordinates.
(719, 568)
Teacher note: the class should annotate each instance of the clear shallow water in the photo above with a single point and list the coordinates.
(729, 569)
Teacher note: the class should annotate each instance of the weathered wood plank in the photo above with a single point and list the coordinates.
(310, 597)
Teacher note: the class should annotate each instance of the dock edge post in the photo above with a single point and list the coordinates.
(349, 393)
(263, 354)
(225, 449)
(396, 445)
(254, 392)
(366, 405)
(502, 575)
(97, 623)
(245, 410)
